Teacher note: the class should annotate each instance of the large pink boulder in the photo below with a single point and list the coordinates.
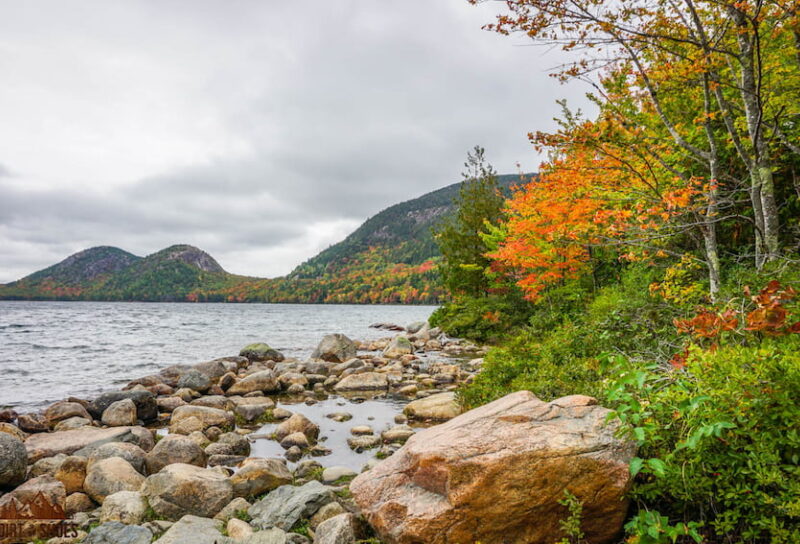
(496, 474)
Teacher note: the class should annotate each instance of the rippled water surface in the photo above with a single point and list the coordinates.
(51, 350)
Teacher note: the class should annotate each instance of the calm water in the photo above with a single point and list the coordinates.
(51, 350)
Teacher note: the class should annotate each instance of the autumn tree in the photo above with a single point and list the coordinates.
(732, 53)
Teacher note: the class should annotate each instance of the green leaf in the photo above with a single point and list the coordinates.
(636, 465)
(657, 466)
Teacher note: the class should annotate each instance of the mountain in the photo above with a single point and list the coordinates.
(109, 273)
(168, 275)
(390, 258)
(85, 266)
(403, 230)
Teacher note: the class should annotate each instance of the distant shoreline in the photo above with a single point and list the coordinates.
(9, 299)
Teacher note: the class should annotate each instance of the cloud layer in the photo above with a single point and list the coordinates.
(261, 132)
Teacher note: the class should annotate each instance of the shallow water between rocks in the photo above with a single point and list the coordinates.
(378, 413)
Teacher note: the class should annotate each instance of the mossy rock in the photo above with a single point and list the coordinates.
(261, 352)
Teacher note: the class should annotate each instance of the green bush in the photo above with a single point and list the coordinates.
(720, 442)
(484, 319)
(554, 366)
(558, 352)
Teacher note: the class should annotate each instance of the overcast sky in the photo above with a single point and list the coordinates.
(260, 131)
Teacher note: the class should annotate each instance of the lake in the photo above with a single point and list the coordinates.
(52, 350)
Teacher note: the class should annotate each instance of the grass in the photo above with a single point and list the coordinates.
(151, 515)
(316, 474)
(243, 515)
(302, 528)
(344, 480)
(266, 417)
(344, 493)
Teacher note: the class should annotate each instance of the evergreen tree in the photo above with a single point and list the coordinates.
(479, 201)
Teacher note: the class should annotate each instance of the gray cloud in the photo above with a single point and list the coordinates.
(259, 131)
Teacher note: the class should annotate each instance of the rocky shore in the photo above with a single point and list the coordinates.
(173, 457)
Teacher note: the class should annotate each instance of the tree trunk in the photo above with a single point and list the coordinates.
(762, 195)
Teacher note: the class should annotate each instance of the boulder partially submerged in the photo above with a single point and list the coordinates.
(496, 474)
(335, 348)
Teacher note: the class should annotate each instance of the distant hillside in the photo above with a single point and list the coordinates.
(390, 258)
(85, 266)
(110, 273)
(403, 230)
(170, 274)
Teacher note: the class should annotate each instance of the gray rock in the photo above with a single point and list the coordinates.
(250, 412)
(295, 439)
(414, 327)
(108, 476)
(219, 402)
(219, 367)
(257, 476)
(209, 417)
(145, 401)
(239, 445)
(64, 410)
(335, 348)
(261, 352)
(332, 474)
(195, 380)
(225, 460)
(341, 529)
(181, 489)
(13, 461)
(340, 416)
(400, 345)
(325, 513)
(48, 465)
(398, 433)
(72, 423)
(263, 381)
(270, 536)
(298, 423)
(115, 532)
(175, 448)
(120, 413)
(235, 506)
(293, 454)
(363, 442)
(365, 381)
(33, 423)
(130, 452)
(286, 505)
(439, 407)
(127, 507)
(193, 530)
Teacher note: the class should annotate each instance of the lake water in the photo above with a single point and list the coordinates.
(52, 350)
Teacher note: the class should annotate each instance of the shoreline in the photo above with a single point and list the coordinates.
(216, 409)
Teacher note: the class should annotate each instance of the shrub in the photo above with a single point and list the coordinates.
(720, 442)
(558, 352)
(484, 319)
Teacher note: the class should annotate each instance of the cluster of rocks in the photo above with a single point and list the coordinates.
(109, 466)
